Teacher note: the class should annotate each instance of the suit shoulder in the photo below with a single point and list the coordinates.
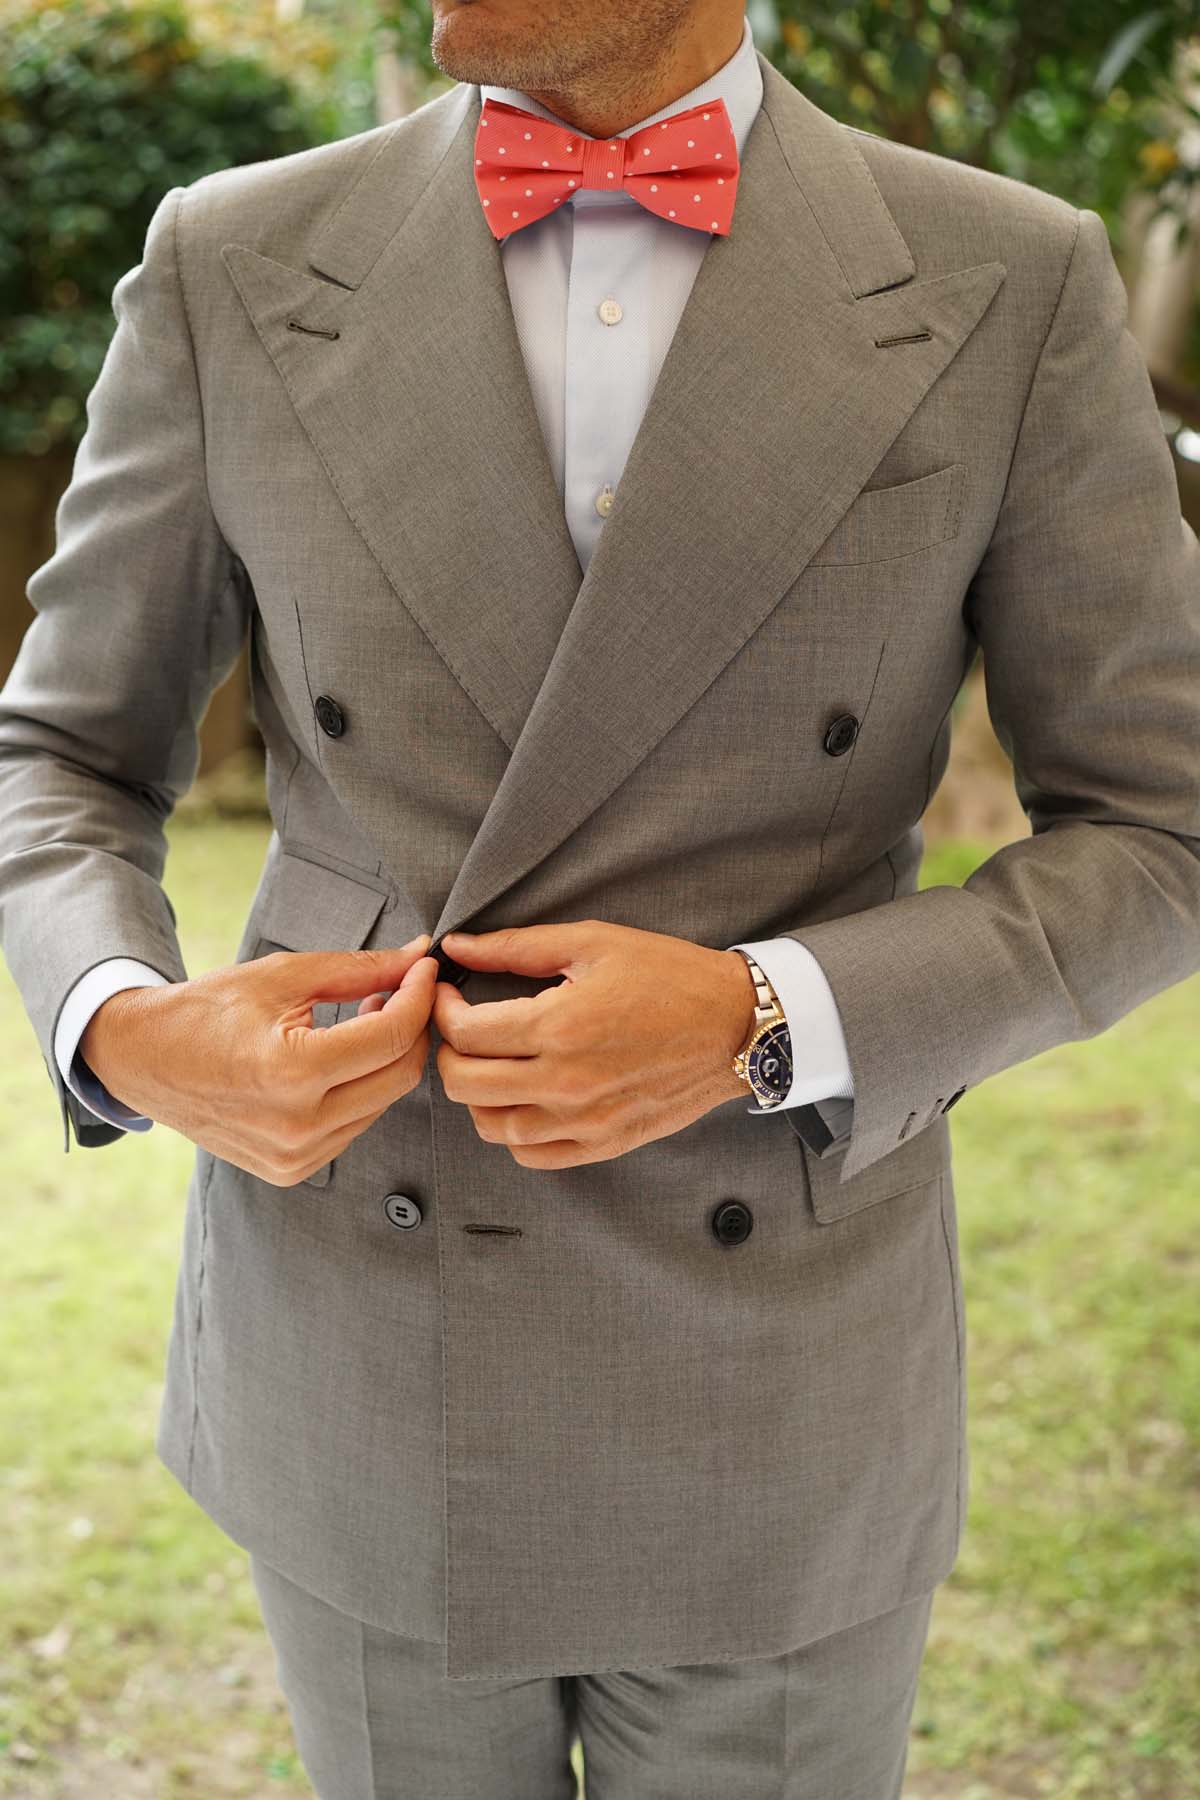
(975, 214)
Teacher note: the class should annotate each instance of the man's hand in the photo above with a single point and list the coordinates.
(635, 1044)
(232, 1060)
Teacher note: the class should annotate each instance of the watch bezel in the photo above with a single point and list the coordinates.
(767, 1096)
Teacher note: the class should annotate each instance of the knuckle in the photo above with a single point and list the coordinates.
(279, 1175)
(405, 1076)
(291, 1134)
(519, 1129)
(556, 1091)
(414, 1053)
(485, 1129)
(273, 959)
(461, 1036)
(400, 1039)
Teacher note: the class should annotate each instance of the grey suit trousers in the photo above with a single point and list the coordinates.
(375, 1717)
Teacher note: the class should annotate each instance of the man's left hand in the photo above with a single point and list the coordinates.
(633, 1045)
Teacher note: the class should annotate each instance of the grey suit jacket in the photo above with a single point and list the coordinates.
(562, 1423)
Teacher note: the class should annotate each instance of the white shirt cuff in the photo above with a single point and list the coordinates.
(89, 992)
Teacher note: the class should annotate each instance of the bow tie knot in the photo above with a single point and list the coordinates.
(683, 168)
(603, 158)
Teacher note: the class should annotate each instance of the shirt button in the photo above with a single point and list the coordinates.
(611, 311)
(604, 501)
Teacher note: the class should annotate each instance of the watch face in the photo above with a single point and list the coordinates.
(770, 1064)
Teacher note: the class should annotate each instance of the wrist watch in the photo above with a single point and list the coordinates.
(764, 1061)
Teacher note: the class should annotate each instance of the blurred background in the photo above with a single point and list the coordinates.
(1063, 1658)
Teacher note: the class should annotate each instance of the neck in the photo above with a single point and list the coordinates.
(704, 46)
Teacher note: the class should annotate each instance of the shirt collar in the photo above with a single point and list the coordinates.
(738, 82)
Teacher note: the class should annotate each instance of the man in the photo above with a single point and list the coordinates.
(610, 574)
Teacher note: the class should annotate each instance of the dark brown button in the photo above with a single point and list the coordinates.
(732, 1222)
(448, 969)
(841, 734)
(329, 715)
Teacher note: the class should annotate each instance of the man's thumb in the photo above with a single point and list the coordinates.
(422, 971)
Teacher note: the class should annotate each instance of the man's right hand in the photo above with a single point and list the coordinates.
(232, 1060)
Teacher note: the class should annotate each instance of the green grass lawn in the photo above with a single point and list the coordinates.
(1064, 1655)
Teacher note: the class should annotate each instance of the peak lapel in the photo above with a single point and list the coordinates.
(773, 406)
(420, 407)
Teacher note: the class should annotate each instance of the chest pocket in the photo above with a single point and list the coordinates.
(897, 521)
(303, 905)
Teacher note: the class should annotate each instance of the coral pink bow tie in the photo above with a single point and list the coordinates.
(684, 168)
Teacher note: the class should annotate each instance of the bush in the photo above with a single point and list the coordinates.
(103, 108)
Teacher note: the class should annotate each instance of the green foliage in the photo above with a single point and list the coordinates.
(408, 28)
(104, 106)
(102, 110)
(1072, 96)
(1190, 367)
(328, 48)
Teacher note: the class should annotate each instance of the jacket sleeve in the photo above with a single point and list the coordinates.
(139, 617)
(1087, 606)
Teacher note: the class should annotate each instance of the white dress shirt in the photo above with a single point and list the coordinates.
(597, 289)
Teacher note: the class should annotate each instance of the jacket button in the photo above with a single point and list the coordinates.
(402, 1211)
(448, 969)
(329, 716)
(954, 1099)
(732, 1222)
(841, 734)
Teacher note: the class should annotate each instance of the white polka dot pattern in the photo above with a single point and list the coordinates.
(553, 165)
